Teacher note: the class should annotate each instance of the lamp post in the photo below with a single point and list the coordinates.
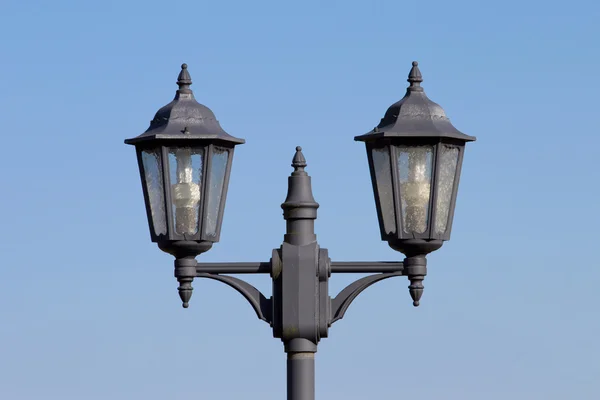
(185, 157)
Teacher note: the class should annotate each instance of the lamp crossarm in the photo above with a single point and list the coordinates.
(341, 302)
(366, 267)
(262, 306)
(234, 268)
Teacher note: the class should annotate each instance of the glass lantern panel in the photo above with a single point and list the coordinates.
(445, 186)
(415, 164)
(383, 180)
(151, 162)
(218, 167)
(185, 167)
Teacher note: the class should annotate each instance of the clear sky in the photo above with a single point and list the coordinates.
(88, 305)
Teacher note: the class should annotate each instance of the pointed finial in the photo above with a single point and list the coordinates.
(185, 291)
(415, 268)
(416, 290)
(299, 206)
(184, 80)
(415, 78)
(299, 162)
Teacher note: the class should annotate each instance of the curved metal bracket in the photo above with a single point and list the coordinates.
(260, 304)
(342, 301)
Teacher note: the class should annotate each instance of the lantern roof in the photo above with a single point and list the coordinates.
(184, 119)
(415, 116)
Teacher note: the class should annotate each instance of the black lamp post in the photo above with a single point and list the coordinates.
(185, 159)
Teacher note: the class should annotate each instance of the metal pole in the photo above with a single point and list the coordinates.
(300, 376)
(299, 283)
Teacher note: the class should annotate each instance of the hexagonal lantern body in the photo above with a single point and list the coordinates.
(185, 160)
(415, 156)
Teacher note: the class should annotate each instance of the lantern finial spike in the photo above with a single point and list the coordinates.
(299, 162)
(184, 80)
(185, 291)
(415, 268)
(415, 78)
(416, 289)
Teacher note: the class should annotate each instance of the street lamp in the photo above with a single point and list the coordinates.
(185, 159)
(415, 155)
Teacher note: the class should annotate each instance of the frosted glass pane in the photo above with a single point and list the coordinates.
(185, 166)
(154, 184)
(415, 164)
(445, 186)
(215, 192)
(383, 177)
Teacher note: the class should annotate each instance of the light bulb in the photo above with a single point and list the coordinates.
(416, 190)
(185, 194)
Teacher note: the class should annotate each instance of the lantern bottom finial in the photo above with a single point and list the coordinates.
(185, 271)
(415, 268)
(416, 289)
(185, 291)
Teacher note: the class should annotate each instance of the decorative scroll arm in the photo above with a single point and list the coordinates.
(342, 301)
(261, 305)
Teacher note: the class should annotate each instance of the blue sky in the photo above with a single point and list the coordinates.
(89, 306)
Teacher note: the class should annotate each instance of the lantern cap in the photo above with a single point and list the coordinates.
(184, 119)
(415, 116)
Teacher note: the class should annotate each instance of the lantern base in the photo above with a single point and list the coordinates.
(415, 247)
(184, 249)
